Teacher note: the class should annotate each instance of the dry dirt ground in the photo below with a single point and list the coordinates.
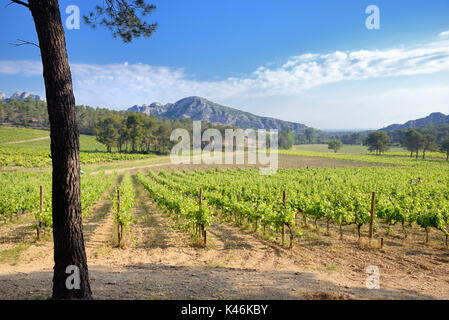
(159, 261)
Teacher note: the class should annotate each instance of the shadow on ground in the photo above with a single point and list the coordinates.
(160, 281)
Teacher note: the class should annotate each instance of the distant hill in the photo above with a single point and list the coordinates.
(34, 114)
(197, 108)
(436, 118)
(19, 95)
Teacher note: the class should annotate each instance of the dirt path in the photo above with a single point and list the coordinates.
(160, 262)
(28, 140)
(121, 170)
(135, 168)
(284, 161)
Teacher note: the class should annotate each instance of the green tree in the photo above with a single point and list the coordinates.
(163, 136)
(377, 141)
(135, 126)
(286, 139)
(107, 131)
(310, 134)
(300, 138)
(335, 145)
(445, 147)
(413, 141)
(356, 138)
(123, 137)
(125, 19)
(148, 135)
(429, 144)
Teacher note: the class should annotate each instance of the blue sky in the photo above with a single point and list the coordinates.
(312, 62)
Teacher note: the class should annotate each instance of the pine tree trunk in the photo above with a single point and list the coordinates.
(66, 197)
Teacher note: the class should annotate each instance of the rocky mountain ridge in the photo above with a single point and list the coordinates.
(197, 108)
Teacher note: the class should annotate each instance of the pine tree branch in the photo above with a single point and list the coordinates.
(23, 42)
(19, 2)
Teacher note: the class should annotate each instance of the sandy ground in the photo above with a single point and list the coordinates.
(159, 261)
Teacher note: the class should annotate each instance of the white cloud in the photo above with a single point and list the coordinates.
(24, 67)
(123, 84)
(444, 34)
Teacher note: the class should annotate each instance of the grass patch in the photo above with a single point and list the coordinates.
(104, 251)
(11, 134)
(329, 268)
(12, 255)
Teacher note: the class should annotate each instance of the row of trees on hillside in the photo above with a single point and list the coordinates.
(439, 131)
(137, 132)
(413, 140)
(312, 135)
(396, 137)
(34, 114)
(377, 141)
(28, 113)
(416, 142)
(123, 130)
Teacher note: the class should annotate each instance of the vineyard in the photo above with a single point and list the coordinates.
(18, 149)
(342, 197)
(124, 206)
(301, 218)
(394, 159)
(29, 158)
(21, 194)
(409, 195)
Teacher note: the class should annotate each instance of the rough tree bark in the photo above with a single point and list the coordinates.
(66, 198)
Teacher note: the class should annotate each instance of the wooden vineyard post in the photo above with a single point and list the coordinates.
(284, 198)
(296, 215)
(39, 227)
(373, 199)
(240, 214)
(119, 236)
(200, 201)
(283, 223)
